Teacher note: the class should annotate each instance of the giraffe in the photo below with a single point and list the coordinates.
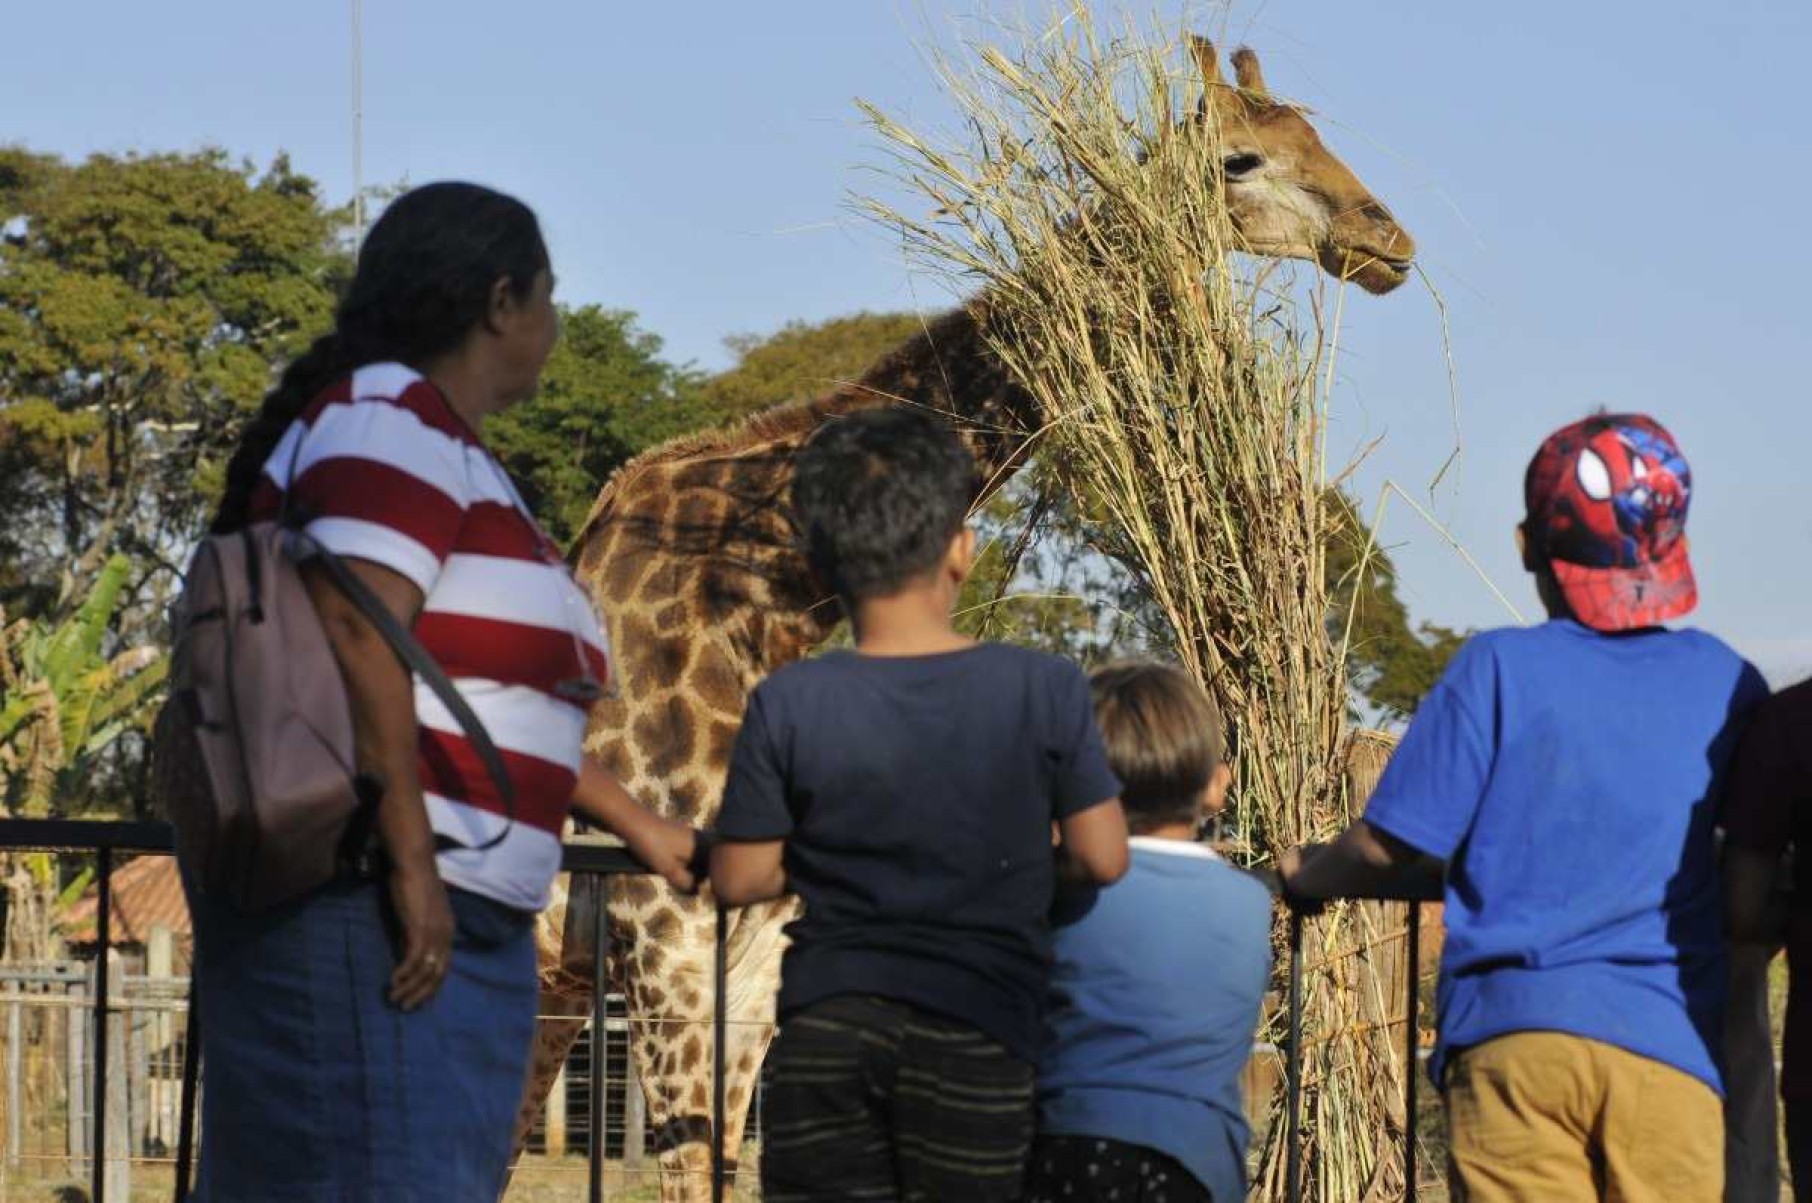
(689, 554)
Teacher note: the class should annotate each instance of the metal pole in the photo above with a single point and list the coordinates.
(1413, 1069)
(104, 932)
(358, 122)
(191, 1075)
(600, 1042)
(719, 1029)
(15, 1078)
(116, 1157)
(1293, 1069)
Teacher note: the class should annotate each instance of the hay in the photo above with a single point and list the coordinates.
(1183, 405)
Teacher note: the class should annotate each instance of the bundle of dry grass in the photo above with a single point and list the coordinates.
(1182, 404)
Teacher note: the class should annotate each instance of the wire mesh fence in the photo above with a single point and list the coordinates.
(48, 1045)
(94, 1049)
(555, 1166)
(48, 1096)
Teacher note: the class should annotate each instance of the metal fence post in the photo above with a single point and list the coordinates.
(600, 1041)
(191, 1077)
(1412, 1048)
(104, 933)
(15, 1079)
(720, 1029)
(1293, 1069)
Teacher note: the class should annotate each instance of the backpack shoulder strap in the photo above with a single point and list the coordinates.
(415, 657)
(293, 519)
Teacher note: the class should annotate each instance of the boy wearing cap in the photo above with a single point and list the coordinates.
(1567, 774)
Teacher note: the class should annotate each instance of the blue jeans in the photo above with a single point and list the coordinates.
(316, 1090)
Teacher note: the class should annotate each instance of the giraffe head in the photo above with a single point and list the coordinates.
(1287, 195)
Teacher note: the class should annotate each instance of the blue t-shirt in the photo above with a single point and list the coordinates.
(1569, 779)
(916, 795)
(1155, 995)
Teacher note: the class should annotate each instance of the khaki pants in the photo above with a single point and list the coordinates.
(1544, 1117)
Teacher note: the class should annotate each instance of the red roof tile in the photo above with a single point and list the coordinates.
(147, 893)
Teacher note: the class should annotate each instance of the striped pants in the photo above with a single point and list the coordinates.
(871, 1099)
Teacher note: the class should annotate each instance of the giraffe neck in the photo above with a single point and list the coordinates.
(692, 555)
(950, 368)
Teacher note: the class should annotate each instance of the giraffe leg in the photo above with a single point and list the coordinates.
(562, 1012)
(668, 982)
(755, 947)
(669, 976)
(560, 1019)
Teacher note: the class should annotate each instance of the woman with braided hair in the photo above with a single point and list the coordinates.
(371, 1040)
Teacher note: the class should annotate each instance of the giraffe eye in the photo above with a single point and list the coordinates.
(1235, 166)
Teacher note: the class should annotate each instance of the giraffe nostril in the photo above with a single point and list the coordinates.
(1376, 212)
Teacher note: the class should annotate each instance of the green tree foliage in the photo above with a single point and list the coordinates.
(606, 394)
(803, 359)
(1391, 663)
(65, 700)
(146, 304)
(143, 304)
(1041, 579)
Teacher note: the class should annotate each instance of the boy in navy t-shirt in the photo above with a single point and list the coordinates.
(1157, 984)
(906, 793)
(1568, 774)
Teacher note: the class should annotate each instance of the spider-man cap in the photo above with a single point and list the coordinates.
(1607, 500)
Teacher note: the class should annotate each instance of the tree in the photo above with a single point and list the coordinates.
(64, 704)
(1390, 662)
(65, 700)
(144, 302)
(606, 394)
(803, 359)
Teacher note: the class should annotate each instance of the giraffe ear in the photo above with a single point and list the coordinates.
(1206, 60)
(1209, 63)
(1246, 71)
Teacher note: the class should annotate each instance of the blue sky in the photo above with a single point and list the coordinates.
(1604, 196)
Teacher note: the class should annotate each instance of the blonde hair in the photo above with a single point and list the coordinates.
(1164, 739)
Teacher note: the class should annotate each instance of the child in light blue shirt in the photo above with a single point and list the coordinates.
(1157, 981)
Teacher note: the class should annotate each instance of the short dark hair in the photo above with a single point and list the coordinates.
(1163, 737)
(878, 495)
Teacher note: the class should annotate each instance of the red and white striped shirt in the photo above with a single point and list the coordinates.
(388, 472)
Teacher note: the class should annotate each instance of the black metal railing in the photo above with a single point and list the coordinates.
(107, 840)
(1412, 1072)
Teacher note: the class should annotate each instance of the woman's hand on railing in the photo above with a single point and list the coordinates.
(666, 846)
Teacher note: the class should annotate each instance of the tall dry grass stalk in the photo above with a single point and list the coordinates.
(1184, 404)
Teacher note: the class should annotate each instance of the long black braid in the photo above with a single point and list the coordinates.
(424, 279)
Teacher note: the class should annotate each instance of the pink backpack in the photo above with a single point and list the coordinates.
(252, 753)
